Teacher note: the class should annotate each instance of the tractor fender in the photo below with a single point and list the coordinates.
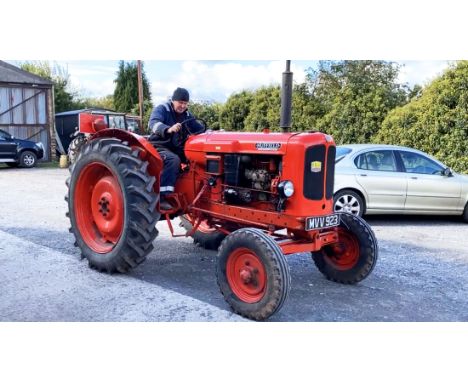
(147, 151)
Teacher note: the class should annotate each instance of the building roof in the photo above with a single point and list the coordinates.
(94, 110)
(11, 74)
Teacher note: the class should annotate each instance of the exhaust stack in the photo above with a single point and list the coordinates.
(286, 98)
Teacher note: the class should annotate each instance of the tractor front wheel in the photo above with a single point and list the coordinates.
(253, 274)
(207, 237)
(353, 258)
(112, 205)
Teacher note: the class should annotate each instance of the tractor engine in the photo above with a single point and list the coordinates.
(249, 178)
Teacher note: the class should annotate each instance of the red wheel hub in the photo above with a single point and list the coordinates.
(343, 255)
(246, 275)
(99, 207)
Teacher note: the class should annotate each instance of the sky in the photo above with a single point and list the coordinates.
(213, 80)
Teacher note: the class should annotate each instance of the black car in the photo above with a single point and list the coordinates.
(19, 152)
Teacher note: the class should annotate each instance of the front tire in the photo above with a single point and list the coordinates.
(252, 273)
(27, 159)
(353, 258)
(112, 205)
(465, 213)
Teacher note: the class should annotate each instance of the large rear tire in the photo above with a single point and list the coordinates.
(112, 205)
(207, 237)
(252, 273)
(353, 258)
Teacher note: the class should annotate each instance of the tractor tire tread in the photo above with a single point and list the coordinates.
(137, 242)
(362, 230)
(280, 282)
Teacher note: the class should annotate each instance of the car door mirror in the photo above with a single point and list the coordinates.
(447, 172)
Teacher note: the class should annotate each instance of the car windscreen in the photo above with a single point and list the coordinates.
(341, 152)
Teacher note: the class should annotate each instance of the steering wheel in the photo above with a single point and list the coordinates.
(183, 123)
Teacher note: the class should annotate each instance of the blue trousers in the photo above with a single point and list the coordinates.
(170, 171)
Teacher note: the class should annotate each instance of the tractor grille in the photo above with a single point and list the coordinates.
(330, 172)
(314, 171)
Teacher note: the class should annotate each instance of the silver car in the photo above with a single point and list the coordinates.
(383, 179)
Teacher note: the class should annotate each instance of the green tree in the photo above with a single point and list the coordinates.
(126, 88)
(235, 111)
(106, 102)
(306, 109)
(352, 98)
(65, 98)
(264, 110)
(208, 112)
(435, 122)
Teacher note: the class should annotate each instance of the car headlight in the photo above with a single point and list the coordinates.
(286, 188)
(40, 145)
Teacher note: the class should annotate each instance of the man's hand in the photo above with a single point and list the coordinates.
(174, 128)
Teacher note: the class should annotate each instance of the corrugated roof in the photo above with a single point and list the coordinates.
(11, 74)
(88, 110)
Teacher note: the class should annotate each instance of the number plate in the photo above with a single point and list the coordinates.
(322, 222)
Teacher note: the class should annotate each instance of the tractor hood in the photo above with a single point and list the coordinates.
(249, 143)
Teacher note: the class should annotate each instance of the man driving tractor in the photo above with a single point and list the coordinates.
(171, 123)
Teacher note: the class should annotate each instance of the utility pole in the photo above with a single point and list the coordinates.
(140, 93)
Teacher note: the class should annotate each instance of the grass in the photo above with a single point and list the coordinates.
(51, 164)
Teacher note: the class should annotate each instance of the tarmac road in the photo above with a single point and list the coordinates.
(421, 275)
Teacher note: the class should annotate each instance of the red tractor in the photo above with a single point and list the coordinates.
(256, 196)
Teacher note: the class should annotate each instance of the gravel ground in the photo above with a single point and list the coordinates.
(421, 275)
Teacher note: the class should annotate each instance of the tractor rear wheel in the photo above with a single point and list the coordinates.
(207, 237)
(252, 273)
(353, 258)
(74, 148)
(112, 205)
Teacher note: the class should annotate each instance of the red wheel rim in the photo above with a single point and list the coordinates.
(99, 207)
(203, 226)
(246, 275)
(343, 255)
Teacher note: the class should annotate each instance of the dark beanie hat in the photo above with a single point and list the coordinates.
(181, 94)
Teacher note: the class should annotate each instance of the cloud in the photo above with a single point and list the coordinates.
(216, 82)
(92, 88)
(421, 72)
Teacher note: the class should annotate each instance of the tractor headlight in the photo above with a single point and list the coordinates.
(286, 188)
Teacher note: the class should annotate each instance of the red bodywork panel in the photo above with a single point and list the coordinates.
(91, 123)
(290, 146)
